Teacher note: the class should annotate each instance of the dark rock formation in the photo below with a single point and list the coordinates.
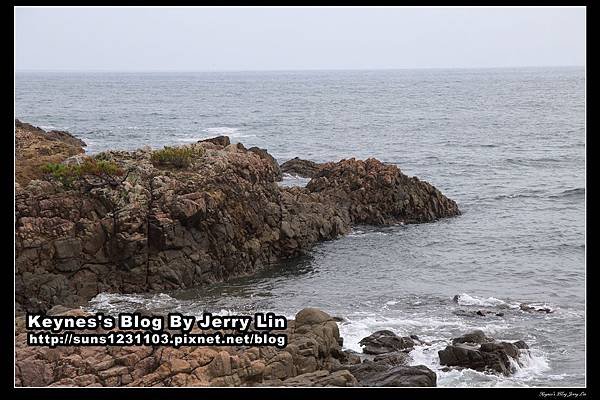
(222, 216)
(475, 337)
(390, 365)
(374, 374)
(479, 352)
(385, 341)
(299, 167)
(391, 369)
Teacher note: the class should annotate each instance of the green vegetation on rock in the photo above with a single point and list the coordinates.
(68, 173)
(179, 157)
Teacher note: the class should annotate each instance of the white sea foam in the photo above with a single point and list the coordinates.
(293, 180)
(53, 128)
(227, 131)
(116, 302)
(215, 131)
(437, 333)
(464, 299)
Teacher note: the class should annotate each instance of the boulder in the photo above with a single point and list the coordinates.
(385, 341)
(481, 353)
(392, 370)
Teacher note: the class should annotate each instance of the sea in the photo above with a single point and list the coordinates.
(508, 145)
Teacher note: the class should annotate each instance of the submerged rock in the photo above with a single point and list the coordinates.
(527, 308)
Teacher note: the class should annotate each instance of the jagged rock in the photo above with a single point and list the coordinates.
(376, 193)
(385, 341)
(299, 167)
(262, 153)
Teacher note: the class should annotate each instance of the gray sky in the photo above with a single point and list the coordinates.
(199, 39)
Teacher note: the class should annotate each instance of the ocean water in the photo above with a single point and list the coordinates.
(507, 144)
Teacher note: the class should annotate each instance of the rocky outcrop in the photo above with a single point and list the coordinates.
(378, 373)
(377, 194)
(476, 351)
(385, 341)
(390, 366)
(61, 136)
(312, 358)
(34, 147)
(162, 228)
(297, 166)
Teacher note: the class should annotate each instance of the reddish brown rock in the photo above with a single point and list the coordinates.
(309, 359)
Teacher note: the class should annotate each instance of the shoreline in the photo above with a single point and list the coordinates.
(160, 226)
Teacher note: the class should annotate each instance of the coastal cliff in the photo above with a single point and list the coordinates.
(160, 225)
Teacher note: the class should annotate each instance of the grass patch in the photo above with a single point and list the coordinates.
(67, 174)
(179, 157)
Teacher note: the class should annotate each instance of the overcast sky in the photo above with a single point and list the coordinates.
(200, 39)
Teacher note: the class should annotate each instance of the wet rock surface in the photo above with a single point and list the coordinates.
(385, 341)
(477, 351)
(165, 228)
(390, 366)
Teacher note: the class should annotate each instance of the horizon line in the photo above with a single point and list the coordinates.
(286, 69)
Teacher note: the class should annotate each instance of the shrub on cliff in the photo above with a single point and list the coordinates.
(107, 171)
(179, 157)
